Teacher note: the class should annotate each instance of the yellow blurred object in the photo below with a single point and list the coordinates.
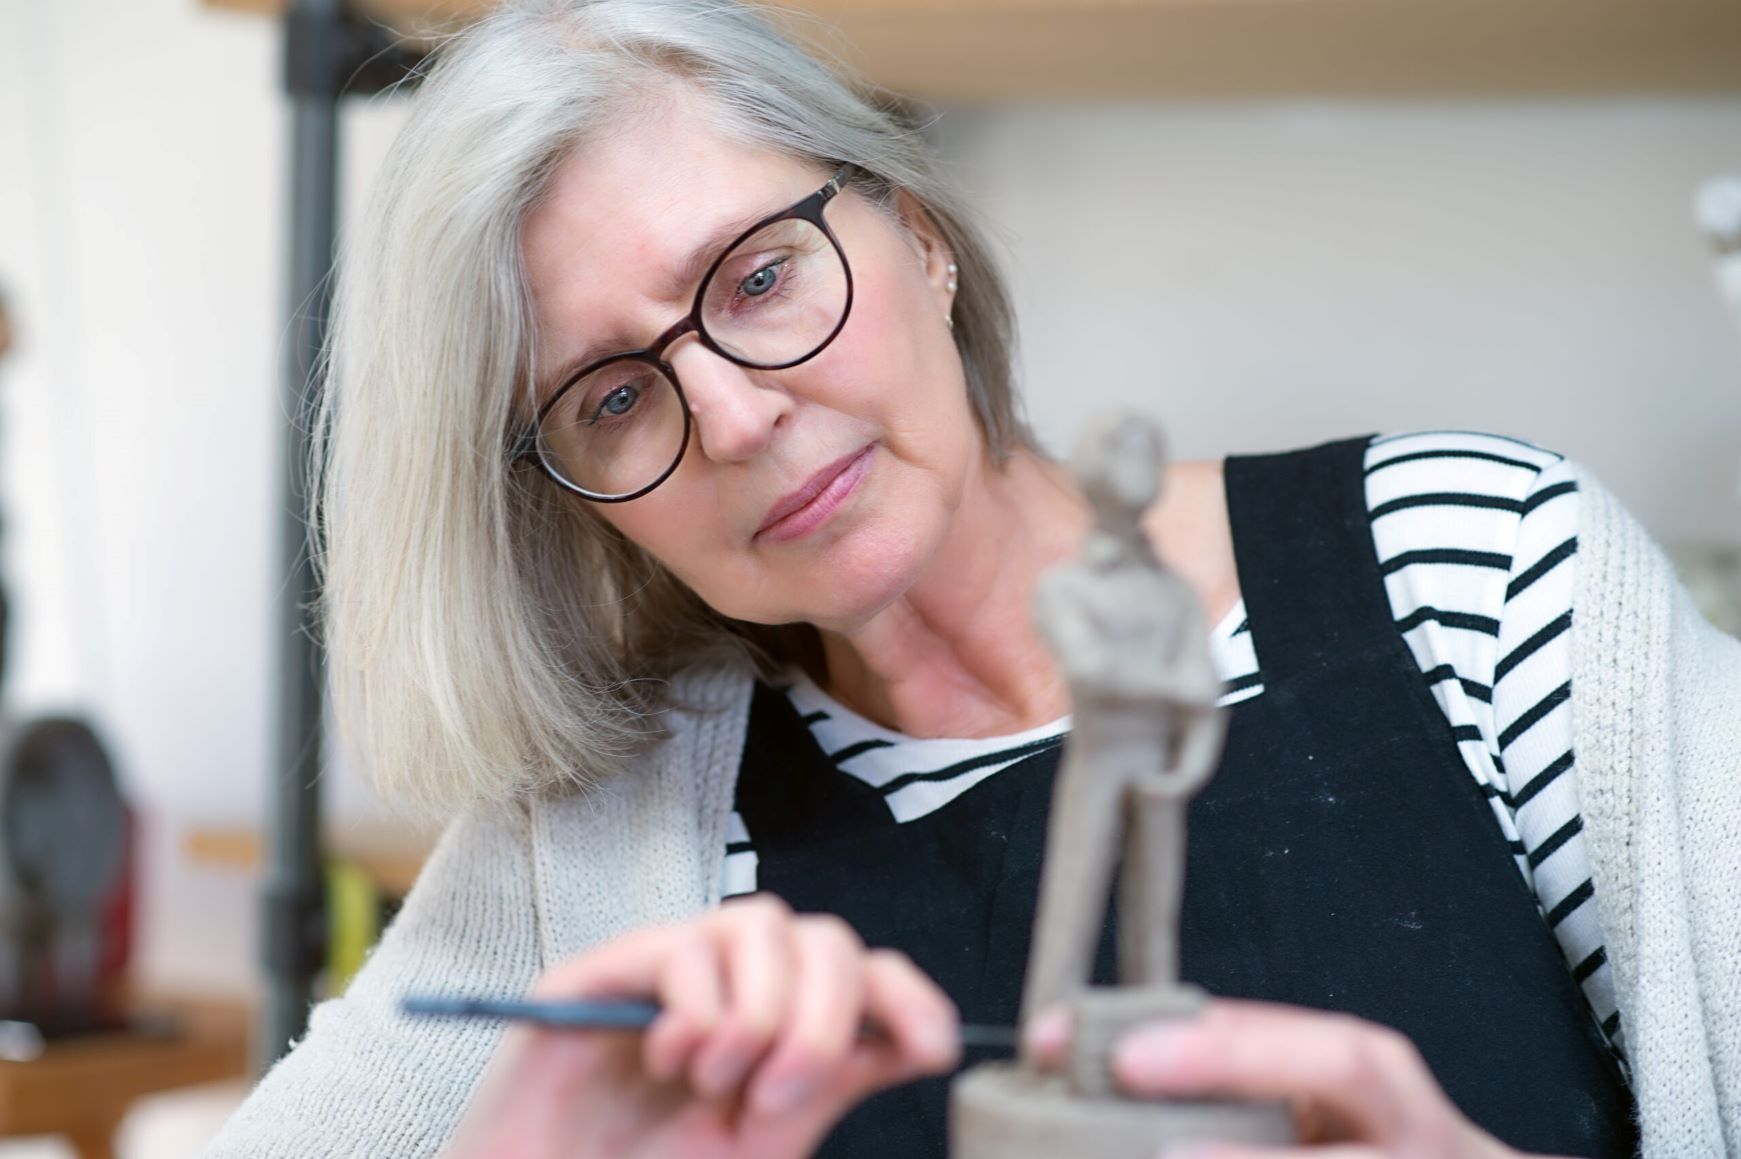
(368, 872)
(353, 921)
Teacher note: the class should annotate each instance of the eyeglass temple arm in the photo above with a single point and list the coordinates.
(839, 180)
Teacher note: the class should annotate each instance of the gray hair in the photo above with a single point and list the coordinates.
(488, 635)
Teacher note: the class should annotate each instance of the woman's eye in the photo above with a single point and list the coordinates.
(618, 402)
(761, 281)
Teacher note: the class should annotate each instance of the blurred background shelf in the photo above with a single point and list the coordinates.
(977, 50)
(389, 861)
(81, 1088)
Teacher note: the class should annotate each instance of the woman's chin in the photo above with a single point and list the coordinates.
(870, 573)
(848, 591)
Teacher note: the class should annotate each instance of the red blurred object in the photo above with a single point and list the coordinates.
(116, 938)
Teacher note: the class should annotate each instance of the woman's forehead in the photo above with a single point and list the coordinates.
(666, 170)
(664, 185)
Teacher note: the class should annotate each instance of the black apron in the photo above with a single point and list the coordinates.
(1343, 858)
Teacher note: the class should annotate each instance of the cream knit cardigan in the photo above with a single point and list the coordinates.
(1656, 700)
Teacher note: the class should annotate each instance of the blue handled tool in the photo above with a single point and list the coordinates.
(620, 1014)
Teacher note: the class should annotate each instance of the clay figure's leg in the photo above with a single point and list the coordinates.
(1203, 732)
(1151, 888)
(1075, 879)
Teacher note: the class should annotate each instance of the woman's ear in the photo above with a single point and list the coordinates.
(933, 251)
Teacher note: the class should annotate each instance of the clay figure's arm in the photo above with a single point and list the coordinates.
(1065, 613)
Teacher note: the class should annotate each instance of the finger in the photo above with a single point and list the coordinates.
(691, 992)
(625, 967)
(919, 1020)
(628, 966)
(822, 1023)
(756, 945)
(918, 1033)
(1046, 1037)
(1359, 1072)
(1250, 1151)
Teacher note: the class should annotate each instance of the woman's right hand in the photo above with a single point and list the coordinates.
(757, 1052)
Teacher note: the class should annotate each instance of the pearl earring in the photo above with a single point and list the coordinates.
(953, 270)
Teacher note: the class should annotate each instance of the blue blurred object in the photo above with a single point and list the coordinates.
(619, 1014)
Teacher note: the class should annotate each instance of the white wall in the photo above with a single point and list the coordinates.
(1260, 276)
(1274, 275)
(139, 240)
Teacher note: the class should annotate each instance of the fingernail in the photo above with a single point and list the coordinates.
(939, 1041)
(1151, 1053)
(784, 1095)
(1046, 1032)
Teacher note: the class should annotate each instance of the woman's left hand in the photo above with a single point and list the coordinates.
(1357, 1089)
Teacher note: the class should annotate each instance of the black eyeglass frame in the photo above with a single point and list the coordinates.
(809, 209)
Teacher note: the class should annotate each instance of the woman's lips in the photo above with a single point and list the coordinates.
(810, 506)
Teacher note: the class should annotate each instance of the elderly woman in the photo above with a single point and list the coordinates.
(680, 538)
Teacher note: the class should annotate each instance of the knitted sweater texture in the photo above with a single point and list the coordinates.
(510, 890)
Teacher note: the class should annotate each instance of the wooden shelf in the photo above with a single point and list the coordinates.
(82, 1087)
(975, 50)
(389, 860)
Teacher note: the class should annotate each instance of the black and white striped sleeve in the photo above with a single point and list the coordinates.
(739, 871)
(1476, 538)
(1531, 704)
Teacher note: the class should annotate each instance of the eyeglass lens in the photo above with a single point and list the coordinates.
(774, 299)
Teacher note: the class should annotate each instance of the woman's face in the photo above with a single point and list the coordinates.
(882, 411)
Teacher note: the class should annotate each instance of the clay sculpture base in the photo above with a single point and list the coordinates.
(1007, 1111)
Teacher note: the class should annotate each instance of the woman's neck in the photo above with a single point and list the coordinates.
(958, 654)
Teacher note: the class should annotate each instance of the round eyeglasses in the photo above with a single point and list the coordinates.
(618, 427)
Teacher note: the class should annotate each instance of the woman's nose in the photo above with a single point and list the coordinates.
(735, 410)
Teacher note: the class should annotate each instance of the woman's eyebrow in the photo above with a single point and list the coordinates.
(686, 275)
(695, 265)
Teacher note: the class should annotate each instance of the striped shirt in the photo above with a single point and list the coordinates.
(1476, 537)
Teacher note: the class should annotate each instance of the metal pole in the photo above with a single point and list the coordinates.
(293, 917)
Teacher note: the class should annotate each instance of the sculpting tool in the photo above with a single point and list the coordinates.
(626, 1014)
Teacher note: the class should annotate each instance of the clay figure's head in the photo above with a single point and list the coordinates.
(1117, 461)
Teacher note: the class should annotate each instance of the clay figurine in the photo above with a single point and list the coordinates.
(1130, 640)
